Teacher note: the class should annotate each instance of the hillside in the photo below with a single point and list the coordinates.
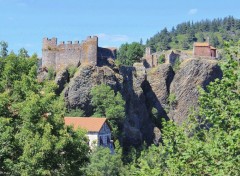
(183, 35)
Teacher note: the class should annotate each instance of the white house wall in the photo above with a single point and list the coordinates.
(93, 139)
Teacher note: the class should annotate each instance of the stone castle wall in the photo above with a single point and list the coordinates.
(63, 55)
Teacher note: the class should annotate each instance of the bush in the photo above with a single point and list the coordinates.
(161, 59)
(51, 74)
(176, 65)
(72, 70)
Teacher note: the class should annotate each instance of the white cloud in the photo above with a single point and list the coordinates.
(113, 38)
(192, 11)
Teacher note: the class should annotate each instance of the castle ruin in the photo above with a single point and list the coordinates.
(62, 55)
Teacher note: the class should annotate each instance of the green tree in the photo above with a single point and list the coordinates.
(201, 37)
(104, 163)
(3, 50)
(122, 53)
(33, 138)
(134, 53)
(185, 45)
(130, 53)
(23, 53)
(75, 113)
(110, 105)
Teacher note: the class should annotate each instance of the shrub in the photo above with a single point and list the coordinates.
(51, 74)
(161, 59)
(72, 70)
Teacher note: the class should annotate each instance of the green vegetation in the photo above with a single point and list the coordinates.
(110, 105)
(176, 65)
(172, 101)
(33, 138)
(183, 36)
(75, 113)
(3, 49)
(51, 74)
(23, 53)
(130, 53)
(161, 59)
(72, 70)
(103, 163)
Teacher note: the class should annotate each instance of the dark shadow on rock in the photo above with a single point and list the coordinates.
(153, 102)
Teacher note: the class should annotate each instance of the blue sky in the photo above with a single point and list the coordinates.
(25, 22)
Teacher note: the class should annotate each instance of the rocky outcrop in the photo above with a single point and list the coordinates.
(138, 126)
(61, 79)
(77, 93)
(144, 89)
(159, 79)
(184, 87)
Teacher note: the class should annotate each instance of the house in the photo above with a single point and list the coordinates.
(204, 49)
(98, 130)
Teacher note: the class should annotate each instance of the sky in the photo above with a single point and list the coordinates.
(24, 23)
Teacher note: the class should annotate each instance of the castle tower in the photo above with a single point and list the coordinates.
(49, 50)
(89, 51)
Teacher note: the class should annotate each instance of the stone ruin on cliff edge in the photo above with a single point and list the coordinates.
(62, 55)
(200, 51)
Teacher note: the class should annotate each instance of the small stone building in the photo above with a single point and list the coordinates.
(204, 49)
(98, 130)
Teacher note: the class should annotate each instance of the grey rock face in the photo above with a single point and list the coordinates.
(159, 79)
(77, 93)
(138, 127)
(192, 73)
(61, 79)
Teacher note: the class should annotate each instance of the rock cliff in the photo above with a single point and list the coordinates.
(144, 89)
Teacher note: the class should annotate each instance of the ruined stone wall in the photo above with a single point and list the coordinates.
(63, 55)
(104, 54)
(68, 55)
(171, 58)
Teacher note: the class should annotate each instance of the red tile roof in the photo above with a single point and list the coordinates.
(201, 44)
(91, 124)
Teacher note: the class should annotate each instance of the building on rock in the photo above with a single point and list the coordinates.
(59, 56)
(204, 49)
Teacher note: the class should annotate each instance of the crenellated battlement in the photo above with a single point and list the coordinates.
(63, 54)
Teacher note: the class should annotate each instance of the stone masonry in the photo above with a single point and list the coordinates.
(62, 55)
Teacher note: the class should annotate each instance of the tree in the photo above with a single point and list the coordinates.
(33, 138)
(130, 53)
(122, 53)
(201, 37)
(185, 45)
(108, 104)
(214, 40)
(3, 50)
(103, 163)
(23, 53)
(134, 53)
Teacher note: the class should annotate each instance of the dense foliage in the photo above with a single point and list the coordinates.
(104, 163)
(183, 35)
(33, 138)
(110, 105)
(128, 54)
